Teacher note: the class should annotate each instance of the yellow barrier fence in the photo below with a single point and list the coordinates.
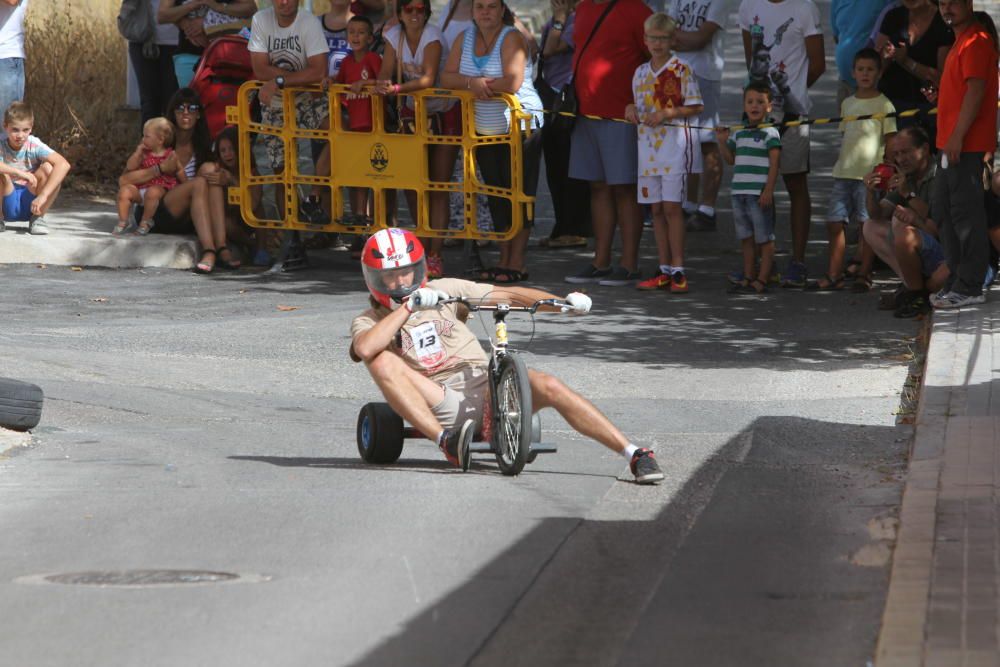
(382, 160)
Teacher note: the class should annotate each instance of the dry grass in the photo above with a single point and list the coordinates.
(75, 81)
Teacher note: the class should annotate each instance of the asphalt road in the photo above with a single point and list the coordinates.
(197, 423)
(193, 423)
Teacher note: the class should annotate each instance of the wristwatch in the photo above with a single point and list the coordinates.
(558, 25)
(279, 81)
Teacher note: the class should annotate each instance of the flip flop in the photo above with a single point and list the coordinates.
(228, 264)
(202, 266)
(504, 276)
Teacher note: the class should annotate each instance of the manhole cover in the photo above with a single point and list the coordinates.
(141, 578)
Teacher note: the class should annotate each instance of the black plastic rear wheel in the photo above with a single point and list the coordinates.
(20, 404)
(380, 433)
(512, 415)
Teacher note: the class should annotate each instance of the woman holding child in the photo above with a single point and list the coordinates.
(186, 206)
(493, 57)
(417, 51)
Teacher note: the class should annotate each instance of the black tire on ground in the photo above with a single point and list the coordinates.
(512, 415)
(380, 433)
(20, 404)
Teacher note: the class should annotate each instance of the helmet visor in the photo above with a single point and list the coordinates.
(398, 283)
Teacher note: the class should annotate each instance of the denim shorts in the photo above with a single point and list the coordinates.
(604, 151)
(752, 220)
(17, 205)
(11, 81)
(847, 202)
(931, 253)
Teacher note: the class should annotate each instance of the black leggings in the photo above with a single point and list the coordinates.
(494, 164)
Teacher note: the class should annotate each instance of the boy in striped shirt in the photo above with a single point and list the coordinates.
(755, 154)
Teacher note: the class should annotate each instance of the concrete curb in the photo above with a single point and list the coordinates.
(80, 235)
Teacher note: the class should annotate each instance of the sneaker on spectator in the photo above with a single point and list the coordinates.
(659, 281)
(939, 296)
(958, 300)
(455, 442)
(645, 468)
(991, 275)
(795, 276)
(37, 226)
(620, 277)
(435, 267)
(678, 283)
(736, 277)
(911, 304)
(700, 222)
(311, 211)
(589, 274)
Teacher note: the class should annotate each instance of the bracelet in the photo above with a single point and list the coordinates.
(468, 83)
(395, 88)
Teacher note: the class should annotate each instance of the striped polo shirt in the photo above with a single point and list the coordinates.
(751, 147)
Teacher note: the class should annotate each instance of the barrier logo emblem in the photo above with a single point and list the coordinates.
(379, 157)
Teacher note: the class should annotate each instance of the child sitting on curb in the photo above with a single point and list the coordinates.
(31, 172)
(155, 150)
(756, 154)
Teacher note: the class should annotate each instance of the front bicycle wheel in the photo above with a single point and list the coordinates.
(512, 416)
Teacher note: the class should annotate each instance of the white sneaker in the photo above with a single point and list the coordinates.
(37, 226)
(956, 300)
(939, 296)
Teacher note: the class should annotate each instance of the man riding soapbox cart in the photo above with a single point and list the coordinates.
(436, 377)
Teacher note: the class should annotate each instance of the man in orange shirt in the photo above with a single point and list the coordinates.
(967, 130)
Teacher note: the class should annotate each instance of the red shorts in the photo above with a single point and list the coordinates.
(443, 123)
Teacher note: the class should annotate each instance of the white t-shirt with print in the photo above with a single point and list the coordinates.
(670, 148)
(413, 61)
(288, 48)
(690, 16)
(778, 31)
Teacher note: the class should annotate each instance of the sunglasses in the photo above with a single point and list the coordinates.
(188, 107)
(414, 9)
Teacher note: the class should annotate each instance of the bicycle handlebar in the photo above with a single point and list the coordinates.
(505, 307)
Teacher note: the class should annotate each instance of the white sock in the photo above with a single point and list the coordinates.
(438, 439)
(629, 450)
(707, 210)
(689, 207)
(677, 269)
(666, 269)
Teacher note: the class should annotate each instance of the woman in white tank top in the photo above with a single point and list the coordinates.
(417, 49)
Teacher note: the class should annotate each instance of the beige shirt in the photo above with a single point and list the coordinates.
(434, 342)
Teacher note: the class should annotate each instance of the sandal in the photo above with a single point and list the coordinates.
(862, 284)
(852, 268)
(758, 286)
(740, 287)
(827, 284)
(145, 227)
(229, 264)
(202, 266)
(502, 276)
(123, 227)
(481, 274)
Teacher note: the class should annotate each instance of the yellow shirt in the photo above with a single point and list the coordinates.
(863, 144)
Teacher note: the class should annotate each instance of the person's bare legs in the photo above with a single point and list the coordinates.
(550, 392)
(128, 194)
(408, 392)
(603, 212)
(150, 204)
(801, 207)
(836, 247)
(711, 175)
(876, 234)
(661, 233)
(42, 175)
(674, 216)
(629, 218)
(192, 197)
(907, 249)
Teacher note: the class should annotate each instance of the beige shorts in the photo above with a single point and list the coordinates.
(465, 395)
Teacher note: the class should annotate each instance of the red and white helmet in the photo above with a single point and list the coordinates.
(388, 256)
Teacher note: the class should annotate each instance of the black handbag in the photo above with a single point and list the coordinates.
(567, 106)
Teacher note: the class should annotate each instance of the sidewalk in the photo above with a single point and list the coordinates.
(942, 607)
(80, 235)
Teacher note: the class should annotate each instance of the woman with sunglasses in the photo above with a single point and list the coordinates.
(417, 50)
(185, 207)
(493, 57)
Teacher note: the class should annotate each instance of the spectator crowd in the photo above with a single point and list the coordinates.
(915, 191)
